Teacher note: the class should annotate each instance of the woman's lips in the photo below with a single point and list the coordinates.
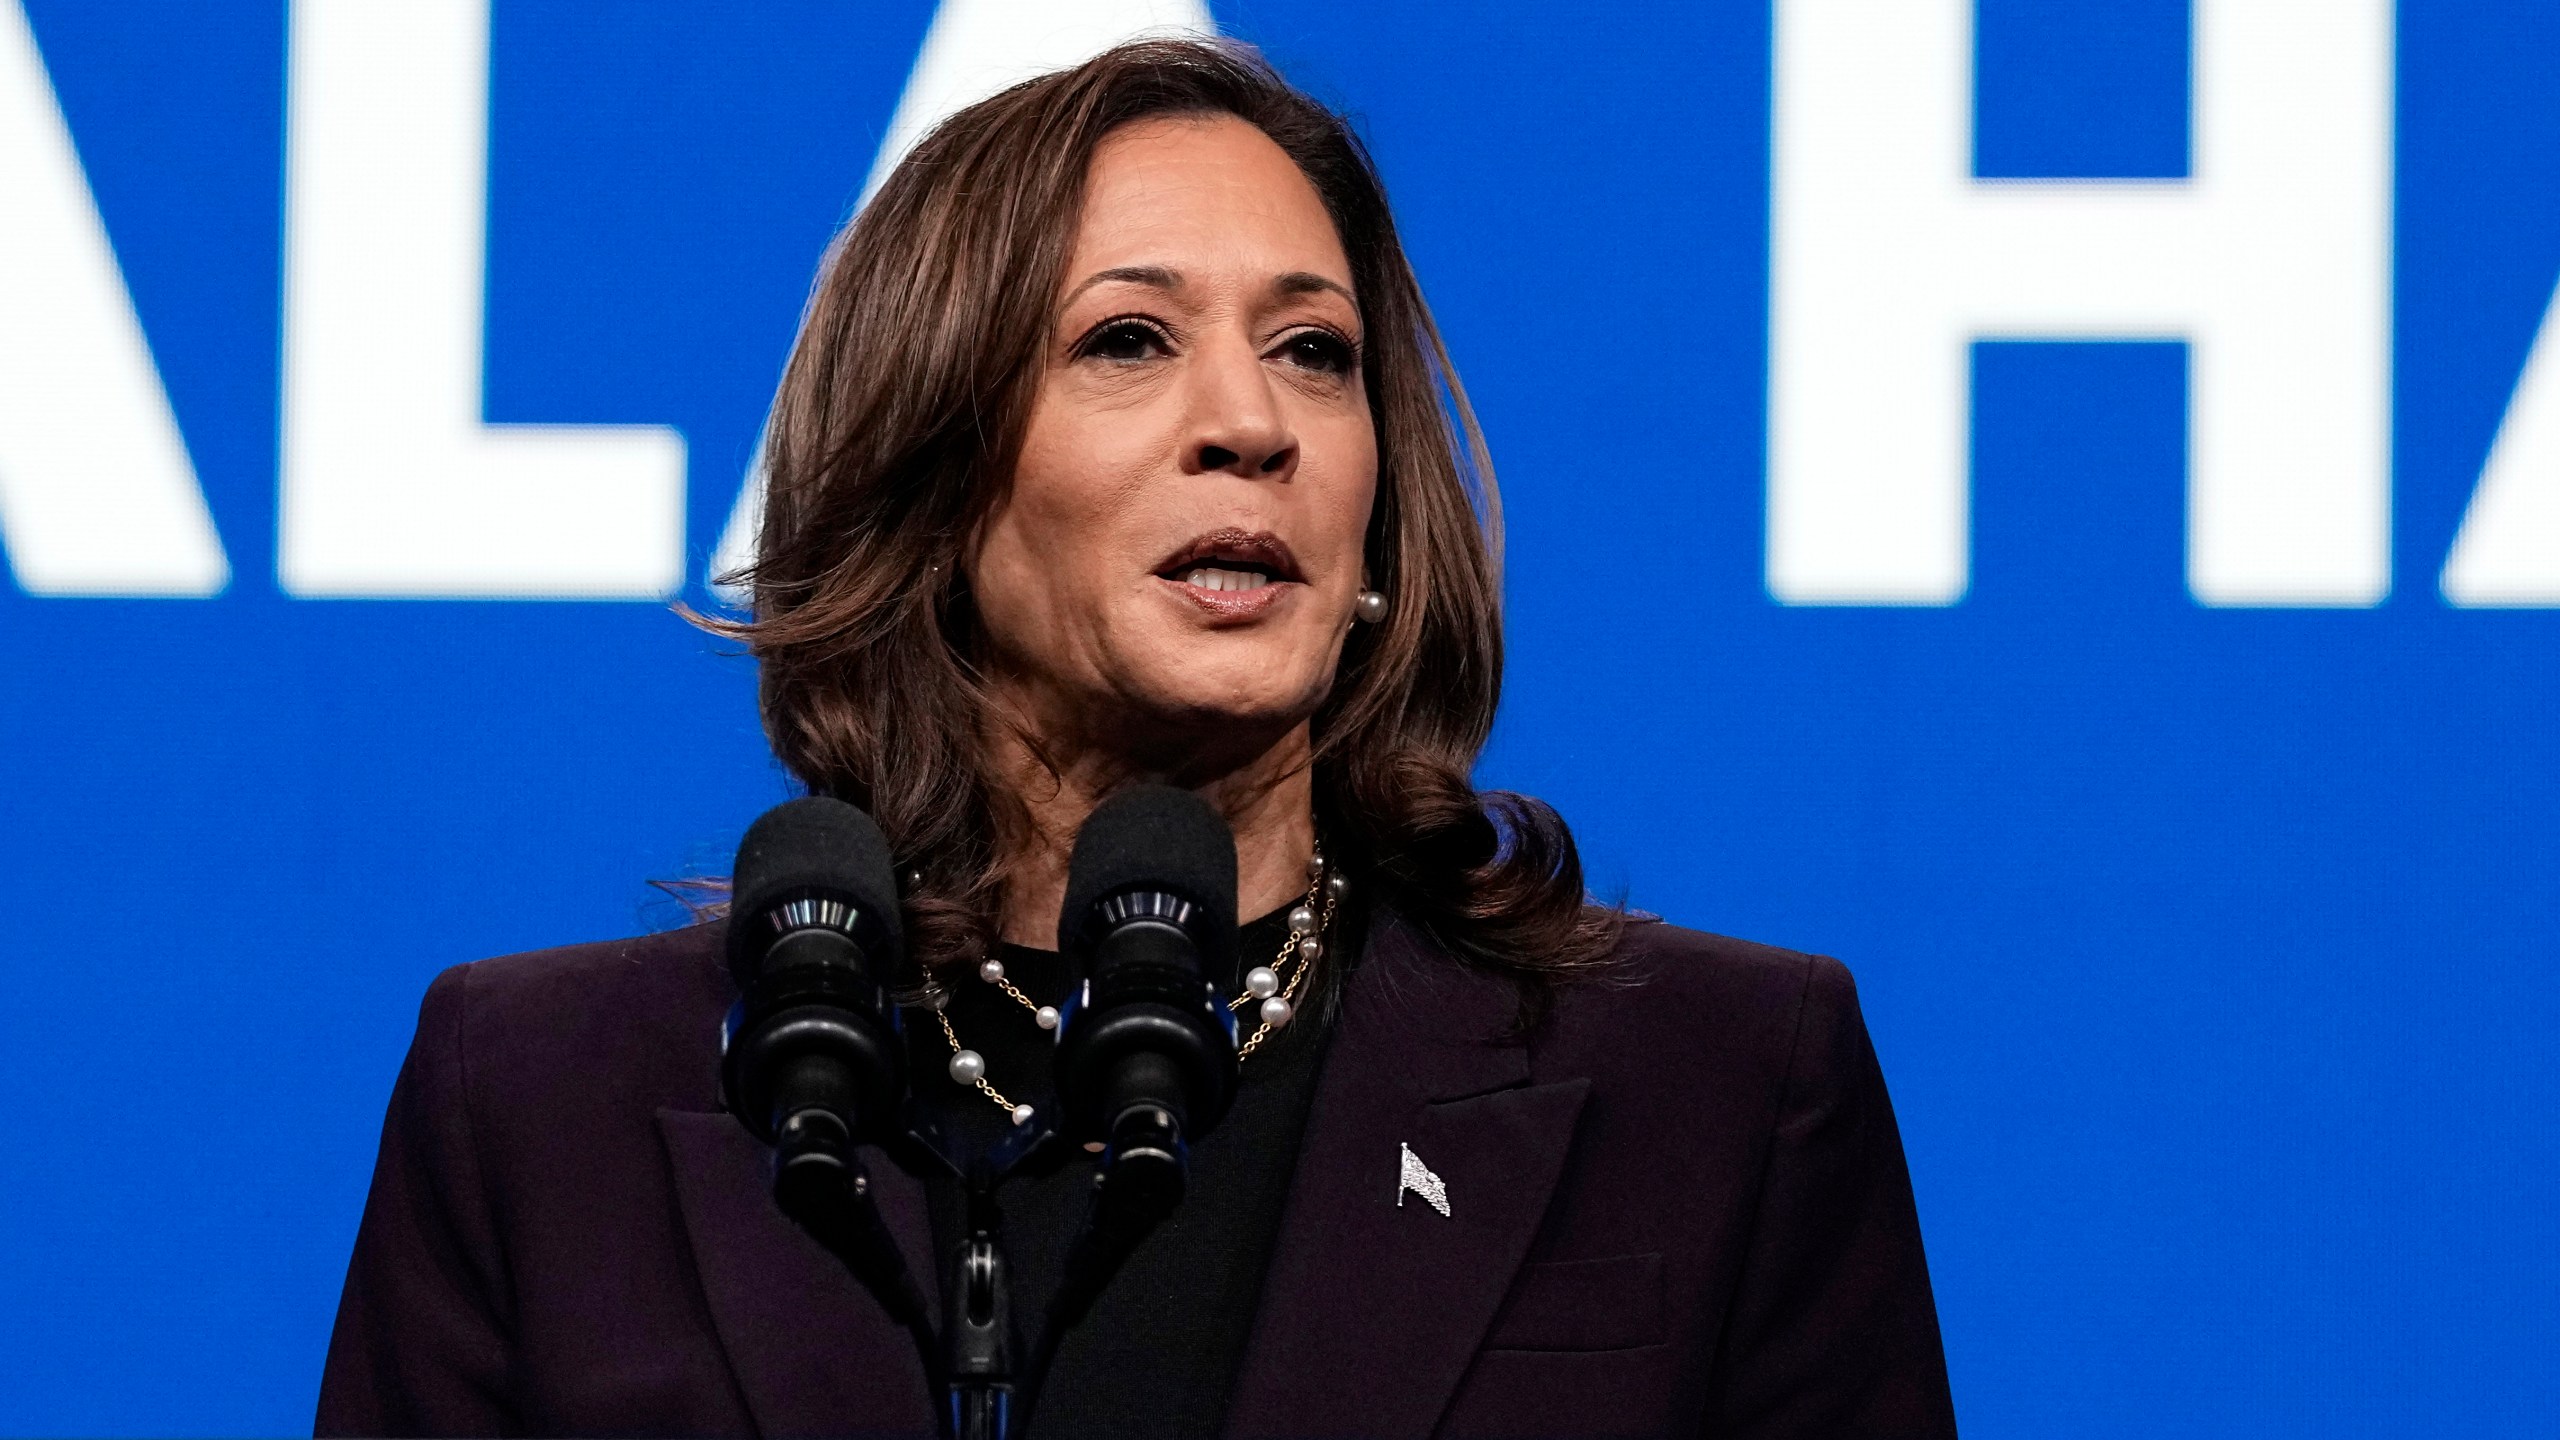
(1236, 604)
(1232, 574)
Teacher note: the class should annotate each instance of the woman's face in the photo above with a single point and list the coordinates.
(1177, 557)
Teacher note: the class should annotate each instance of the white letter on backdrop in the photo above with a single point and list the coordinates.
(974, 49)
(96, 493)
(2272, 261)
(2508, 551)
(391, 484)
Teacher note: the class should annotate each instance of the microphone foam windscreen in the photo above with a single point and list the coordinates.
(812, 847)
(1158, 838)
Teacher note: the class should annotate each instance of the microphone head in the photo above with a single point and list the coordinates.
(816, 849)
(1153, 837)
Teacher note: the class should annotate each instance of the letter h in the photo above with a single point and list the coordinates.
(2272, 261)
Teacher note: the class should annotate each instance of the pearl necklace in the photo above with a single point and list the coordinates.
(1274, 985)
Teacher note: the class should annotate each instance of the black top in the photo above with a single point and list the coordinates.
(1160, 1350)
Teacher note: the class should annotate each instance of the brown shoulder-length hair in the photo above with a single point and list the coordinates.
(895, 432)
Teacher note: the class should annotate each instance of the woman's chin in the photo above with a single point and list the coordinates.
(1236, 711)
(1267, 712)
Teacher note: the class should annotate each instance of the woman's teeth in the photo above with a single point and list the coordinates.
(1210, 579)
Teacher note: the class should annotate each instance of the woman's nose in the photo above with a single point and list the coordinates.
(1237, 427)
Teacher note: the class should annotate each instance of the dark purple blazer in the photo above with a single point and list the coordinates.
(1678, 1207)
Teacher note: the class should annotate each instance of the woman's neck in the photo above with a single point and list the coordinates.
(1268, 801)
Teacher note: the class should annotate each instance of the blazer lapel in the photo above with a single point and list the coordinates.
(1372, 1309)
(812, 1351)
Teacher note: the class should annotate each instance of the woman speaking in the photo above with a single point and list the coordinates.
(1118, 446)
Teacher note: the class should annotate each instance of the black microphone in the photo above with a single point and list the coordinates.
(1146, 1054)
(813, 1062)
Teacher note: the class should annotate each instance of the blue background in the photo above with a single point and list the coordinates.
(2207, 950)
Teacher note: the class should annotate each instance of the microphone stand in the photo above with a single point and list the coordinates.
(977, 1329)
(971, 1364)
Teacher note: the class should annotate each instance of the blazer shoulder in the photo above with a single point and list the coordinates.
(1688, 999)
(685, 963)
(1675, 963)
(595, 1017)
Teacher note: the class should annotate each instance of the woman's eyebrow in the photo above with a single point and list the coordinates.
(1159, 277)
(1307, 282)
(1153, 276)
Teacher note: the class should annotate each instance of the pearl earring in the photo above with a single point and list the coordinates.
(1370, 608)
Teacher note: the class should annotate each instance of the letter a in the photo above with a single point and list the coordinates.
(2273, 261)
(974, 49)
(96, 493)
(2508, 552)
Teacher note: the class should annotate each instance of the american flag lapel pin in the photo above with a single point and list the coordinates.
(1415, 1178)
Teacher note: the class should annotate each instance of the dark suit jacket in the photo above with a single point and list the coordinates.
(1678, 1207)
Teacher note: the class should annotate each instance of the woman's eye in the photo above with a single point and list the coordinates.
(1124, 340)
(1319, 350)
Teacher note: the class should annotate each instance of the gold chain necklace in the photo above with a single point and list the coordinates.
(1274, 987)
